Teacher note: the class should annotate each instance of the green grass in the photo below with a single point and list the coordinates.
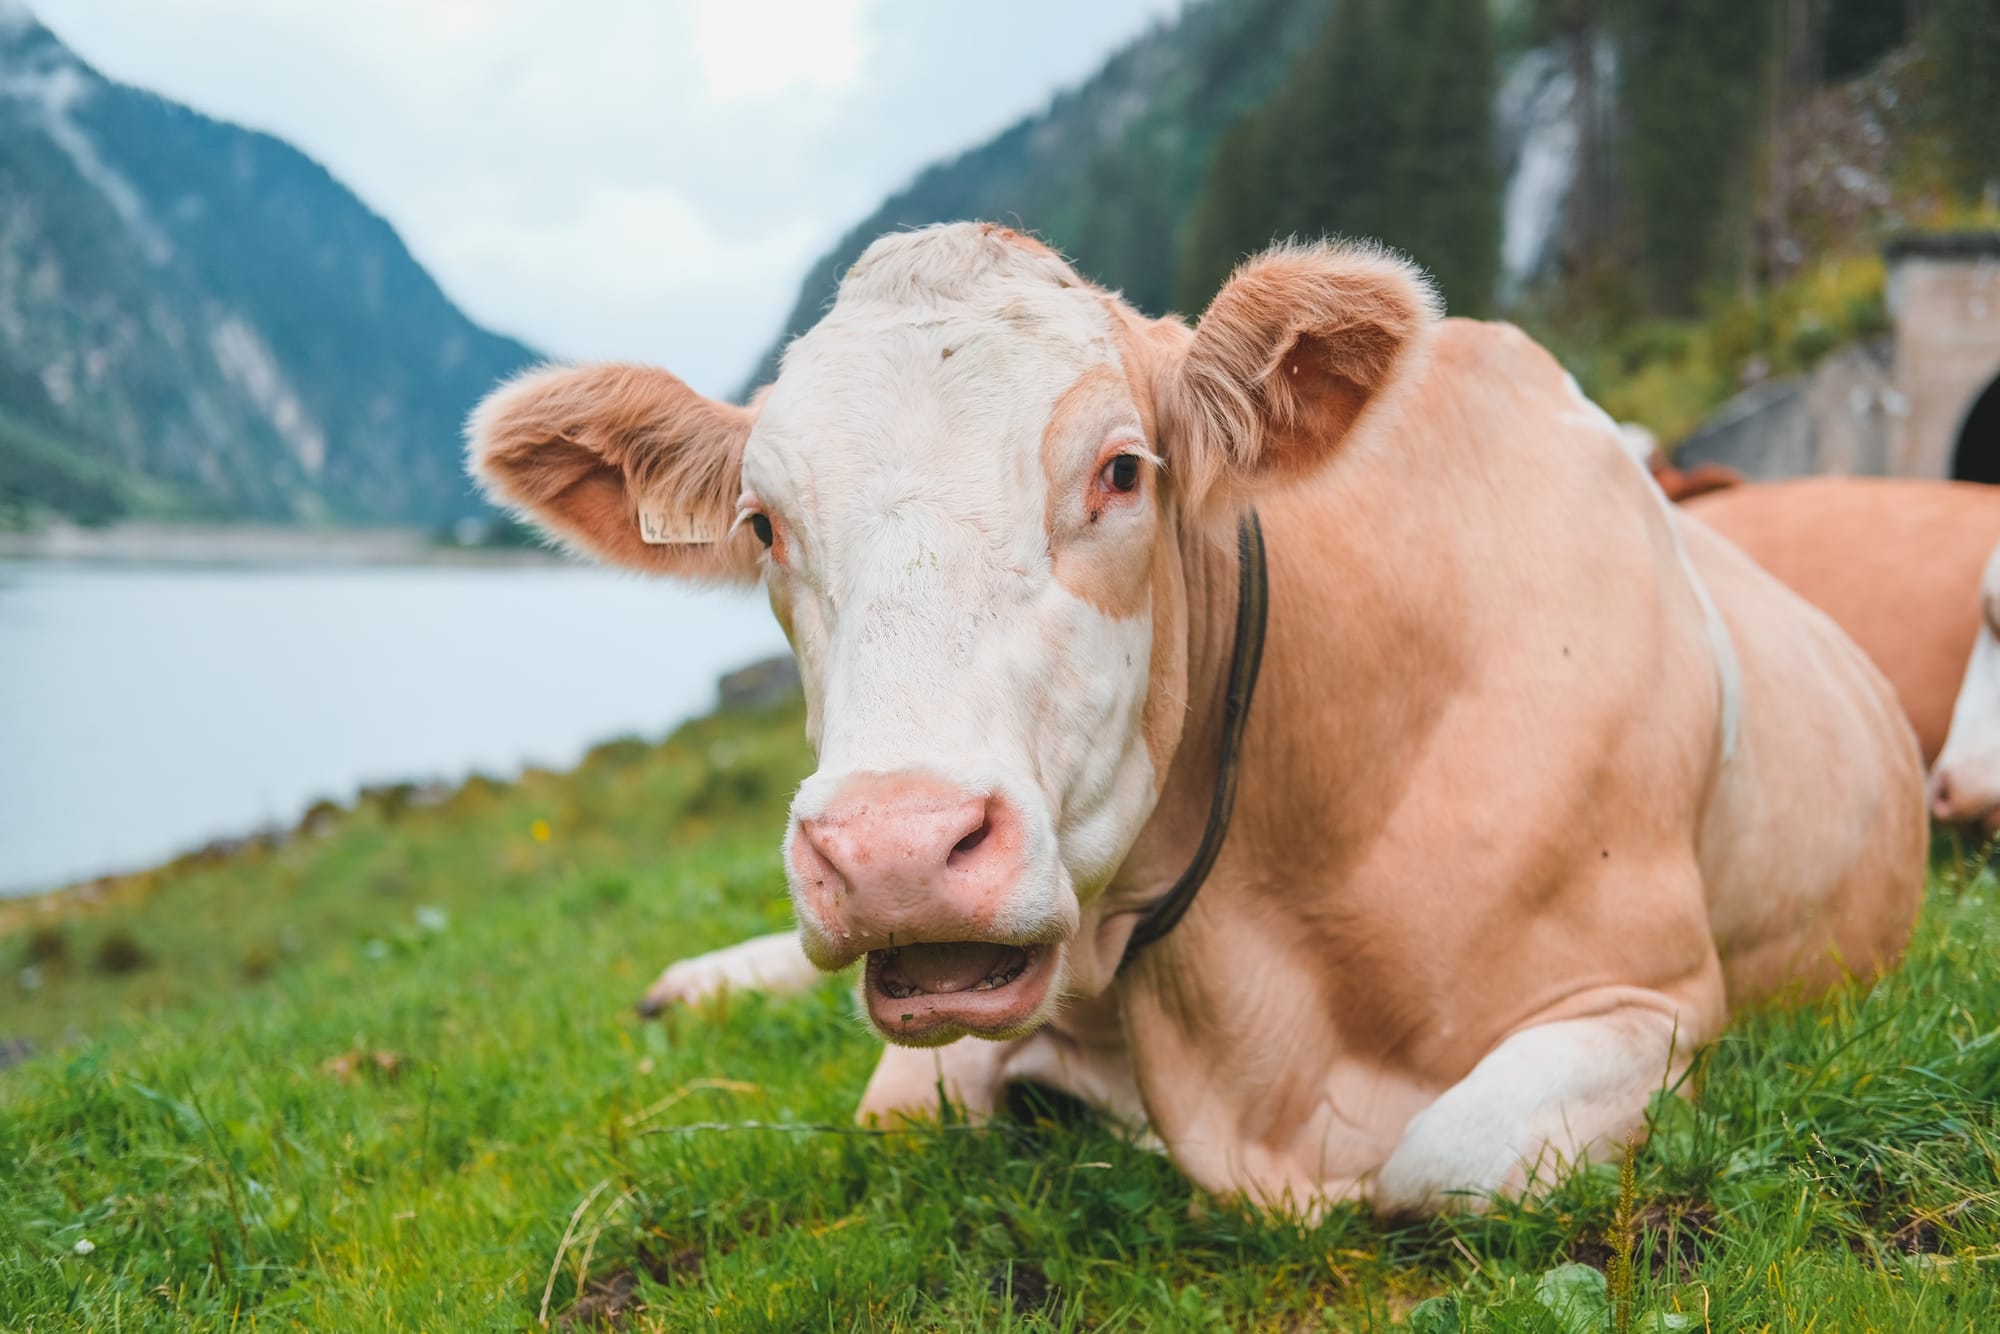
(386, 1077)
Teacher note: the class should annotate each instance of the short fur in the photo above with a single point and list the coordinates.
(576, 448)
(1296, 344)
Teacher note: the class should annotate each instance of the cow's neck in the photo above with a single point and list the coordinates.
(1366, 590)
(1204, 600)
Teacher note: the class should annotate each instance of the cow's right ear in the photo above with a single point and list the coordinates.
(623, 462)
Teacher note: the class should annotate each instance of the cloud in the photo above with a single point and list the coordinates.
(638, 178)
(752, 51)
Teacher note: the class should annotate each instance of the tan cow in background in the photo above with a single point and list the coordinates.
(1540, 782)
(1896, 562)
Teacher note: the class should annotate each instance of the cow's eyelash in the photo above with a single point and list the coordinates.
(759, 521)
(1136, 448)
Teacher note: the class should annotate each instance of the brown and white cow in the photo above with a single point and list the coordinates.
(1539, 784)
(1965, 782)
(1895, 562)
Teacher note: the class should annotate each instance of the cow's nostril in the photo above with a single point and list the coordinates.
(1941, 796)
(966, 846)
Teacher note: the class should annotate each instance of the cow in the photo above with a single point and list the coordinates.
(1679, 484)
(1965, 781)
(1895, 562)
(1684, 484)
(1306, 737)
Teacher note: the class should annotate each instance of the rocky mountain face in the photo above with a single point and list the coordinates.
(198, 320)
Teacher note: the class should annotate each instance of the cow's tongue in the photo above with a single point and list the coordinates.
(958, 966)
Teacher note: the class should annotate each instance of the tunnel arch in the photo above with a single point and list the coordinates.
(1975, 457)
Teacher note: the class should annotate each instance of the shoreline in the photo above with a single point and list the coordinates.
(759, 684)
(256, 545)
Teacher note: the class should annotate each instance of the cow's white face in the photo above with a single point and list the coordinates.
(1965, 782)
(964, 496)
(965, 516)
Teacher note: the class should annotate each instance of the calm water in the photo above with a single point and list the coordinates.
(146, 711)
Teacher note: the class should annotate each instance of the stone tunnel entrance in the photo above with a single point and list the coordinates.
(1976, 456)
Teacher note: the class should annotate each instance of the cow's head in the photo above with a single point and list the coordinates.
(965, 495)
(1965, 782)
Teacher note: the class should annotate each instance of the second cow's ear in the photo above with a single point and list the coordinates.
(624, 462)
(1288, 357)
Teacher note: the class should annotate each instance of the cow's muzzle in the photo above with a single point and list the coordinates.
(941, 890)
(1956, 799)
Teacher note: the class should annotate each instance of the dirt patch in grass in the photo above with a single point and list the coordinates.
(607, 1303)
(119, 953)
(1673, 1237)
(1024, 1286)
(1917, 1236)
(669, 1262)
(47, 946)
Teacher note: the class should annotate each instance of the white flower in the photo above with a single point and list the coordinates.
(84, 1246)
(432, 919)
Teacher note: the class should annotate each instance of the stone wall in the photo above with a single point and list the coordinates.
(1892, 407)
(1840, 418)
(1944, 293)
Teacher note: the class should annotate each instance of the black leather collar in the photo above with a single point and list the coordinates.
(1253, 599)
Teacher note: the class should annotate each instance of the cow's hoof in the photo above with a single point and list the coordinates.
(688, 982)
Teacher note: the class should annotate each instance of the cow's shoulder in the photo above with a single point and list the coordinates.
(1494, 359)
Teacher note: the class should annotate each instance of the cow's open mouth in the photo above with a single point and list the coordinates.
(935, 992)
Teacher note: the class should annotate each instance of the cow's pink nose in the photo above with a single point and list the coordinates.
(904, 858)
(1941, 809)
(1954, 800)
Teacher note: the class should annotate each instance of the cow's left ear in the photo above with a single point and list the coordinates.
(1293, 350)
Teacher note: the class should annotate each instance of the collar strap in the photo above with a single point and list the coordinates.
(1253, 599)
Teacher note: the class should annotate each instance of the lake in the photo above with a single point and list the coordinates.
(147, 710)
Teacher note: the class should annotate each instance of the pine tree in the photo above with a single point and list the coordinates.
(1693, 75)
(1234, 214)
(1964, 36)
(1340, 113)
(1444, 180)
(1860, 32)
(1382, 129)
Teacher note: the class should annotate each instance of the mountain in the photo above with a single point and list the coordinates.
(1108, 171)
(197, 320)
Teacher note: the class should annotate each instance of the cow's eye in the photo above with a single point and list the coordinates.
(760, 524)
(1121, 474)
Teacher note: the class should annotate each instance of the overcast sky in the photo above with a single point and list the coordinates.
(614, 178)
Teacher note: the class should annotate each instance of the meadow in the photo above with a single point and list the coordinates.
(383, 1074)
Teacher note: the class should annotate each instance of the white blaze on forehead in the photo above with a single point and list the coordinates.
(902, 452)
(922, 396)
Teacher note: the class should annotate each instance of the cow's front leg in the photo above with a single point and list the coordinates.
(1081, 1055)
(773, 964)
(1552, 1095)
(909, 1081)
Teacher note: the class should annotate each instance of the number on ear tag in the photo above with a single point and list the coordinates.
(662, 527)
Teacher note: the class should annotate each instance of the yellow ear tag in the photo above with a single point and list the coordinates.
(663, 527)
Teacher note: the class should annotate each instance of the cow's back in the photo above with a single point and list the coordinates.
(1814, 842)
(1895, 562)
